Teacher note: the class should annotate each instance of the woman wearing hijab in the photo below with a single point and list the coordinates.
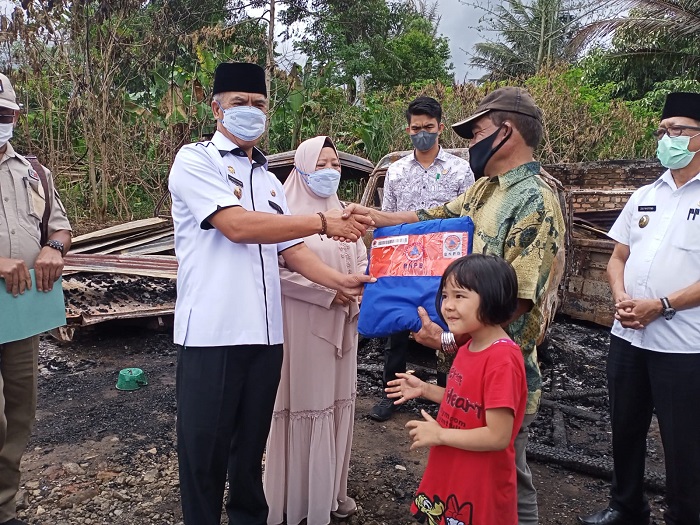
(308, 449)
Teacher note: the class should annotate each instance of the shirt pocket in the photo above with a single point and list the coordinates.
(31, 207)
(687, 236)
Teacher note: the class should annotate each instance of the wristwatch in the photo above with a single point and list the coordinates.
(56, 245)
(668, 312)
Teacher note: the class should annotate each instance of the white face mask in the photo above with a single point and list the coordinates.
(323, 182)
(6, 133)
(245, 122)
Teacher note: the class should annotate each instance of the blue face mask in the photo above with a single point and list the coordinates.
(245, 122)
(323, 182)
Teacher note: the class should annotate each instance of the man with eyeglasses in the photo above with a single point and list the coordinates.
(654, 357)
(426, 178)
(29, 211)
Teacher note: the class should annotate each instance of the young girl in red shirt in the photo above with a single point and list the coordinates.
(470, 478)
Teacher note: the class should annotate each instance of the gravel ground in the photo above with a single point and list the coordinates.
(103, 456)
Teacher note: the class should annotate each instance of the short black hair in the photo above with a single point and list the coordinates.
(424, 106)
(530, 128)
(492, 278)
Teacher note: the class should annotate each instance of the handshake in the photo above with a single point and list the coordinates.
(349, 224)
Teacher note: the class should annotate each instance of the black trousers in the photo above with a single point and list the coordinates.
(395, 353)
(639, 382)
(225, 398)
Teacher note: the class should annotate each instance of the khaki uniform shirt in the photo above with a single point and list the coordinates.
(22, 202)
(517, 216)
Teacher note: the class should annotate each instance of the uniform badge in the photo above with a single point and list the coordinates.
(231, 170)
(643, 221)
(272, 192)
(237, 191)
(33, 174)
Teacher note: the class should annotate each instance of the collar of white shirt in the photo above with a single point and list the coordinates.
(667, 178)
(225, 145)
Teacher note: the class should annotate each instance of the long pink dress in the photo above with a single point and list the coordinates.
(308, 449)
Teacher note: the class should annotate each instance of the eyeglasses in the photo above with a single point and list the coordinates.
(7, 118)
(673, 131)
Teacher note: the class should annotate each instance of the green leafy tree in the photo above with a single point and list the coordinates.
(386, 43)
(648, 46)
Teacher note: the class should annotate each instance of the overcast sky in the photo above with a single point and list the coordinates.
(458, 24)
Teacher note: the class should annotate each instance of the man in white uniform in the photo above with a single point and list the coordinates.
(654, 358)
(231, 222)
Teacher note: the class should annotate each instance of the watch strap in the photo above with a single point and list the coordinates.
(665, 303)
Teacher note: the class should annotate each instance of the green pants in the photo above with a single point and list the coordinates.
(18, 379)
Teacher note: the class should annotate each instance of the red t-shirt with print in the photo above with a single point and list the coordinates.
(461, 487)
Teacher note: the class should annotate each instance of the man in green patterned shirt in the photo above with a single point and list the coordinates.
(517, 216)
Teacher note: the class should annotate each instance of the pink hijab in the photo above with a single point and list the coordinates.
(329, 324)
(300, 199)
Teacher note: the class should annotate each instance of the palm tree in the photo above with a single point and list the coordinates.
(652, 41)
(670, 17)
(530, 36)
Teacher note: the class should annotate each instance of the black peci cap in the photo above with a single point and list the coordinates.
(239, 76)
(682, 105)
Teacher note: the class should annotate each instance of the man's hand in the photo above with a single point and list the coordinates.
(16, 275)
(624, 314)
(348, 228)
(430, 333)
(424, 433)
(637, 313)
(341, 299)
(353, 285)
(405, 387)
(356, 209)
(47, 268)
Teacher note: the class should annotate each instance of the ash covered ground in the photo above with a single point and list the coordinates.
(102, 456)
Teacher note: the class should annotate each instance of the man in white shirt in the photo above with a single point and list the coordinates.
(427, 178)
(231, 222)
(654, 357)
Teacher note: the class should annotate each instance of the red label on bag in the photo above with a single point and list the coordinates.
(426, 255)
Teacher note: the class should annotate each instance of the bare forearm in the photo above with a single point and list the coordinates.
(481, 439)
(616, 276)
(389, 218)
(688, 297)
(243, 226)
(432, 392)
(302, 260)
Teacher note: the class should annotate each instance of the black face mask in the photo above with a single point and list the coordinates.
(481, 152)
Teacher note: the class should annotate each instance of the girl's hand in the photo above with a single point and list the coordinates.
(424, 433)
(406, 387)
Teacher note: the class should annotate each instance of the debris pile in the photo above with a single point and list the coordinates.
(123, 272)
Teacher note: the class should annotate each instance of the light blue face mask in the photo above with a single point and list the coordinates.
(245, 122)
(323, 182)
